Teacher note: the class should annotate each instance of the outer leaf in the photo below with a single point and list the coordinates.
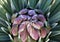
(41, 5)
(47, 4)
(22, 4)
(2, 13)
(12, 6)
(53, 41)
(55, 38)
(4, 37)
(19, 4)
(5, 5)
(2, 22)
(32, 3)
(55, 18)
(55, 7)
(54, 33)
(15, 2)
(56, 28)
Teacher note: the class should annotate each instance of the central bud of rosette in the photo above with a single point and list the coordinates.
(29, 23)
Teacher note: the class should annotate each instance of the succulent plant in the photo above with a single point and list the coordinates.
(29, 20)
(33, 27)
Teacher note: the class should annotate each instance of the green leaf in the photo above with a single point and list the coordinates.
(5, 6)
(4, 37)
(40, 40)
(32, 3)
(55, 18)
(25, 3)
(55, 7)
(41, 5)
(54, 33)
(47, 4)
(12, 6)
(2, 22)
(15, 3)
(53, 41)
(2, 16)
(8, 16)
(2, 13)
(8, 1)
(38, 4)
(22, 4)
(55, 38)
(56, 28)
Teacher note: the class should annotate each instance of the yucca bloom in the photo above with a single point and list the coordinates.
(30, 20)
(33, 27)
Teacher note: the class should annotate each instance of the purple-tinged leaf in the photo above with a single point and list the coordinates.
(37, 25)
(34, 17)
(41, 18)
(22, 27)
(43, 32)
(31, 12)
(14, 30)
(29, 17)
(17, 20)
(23, 35)
(33, 33)
(23, 11)
(24, 17)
